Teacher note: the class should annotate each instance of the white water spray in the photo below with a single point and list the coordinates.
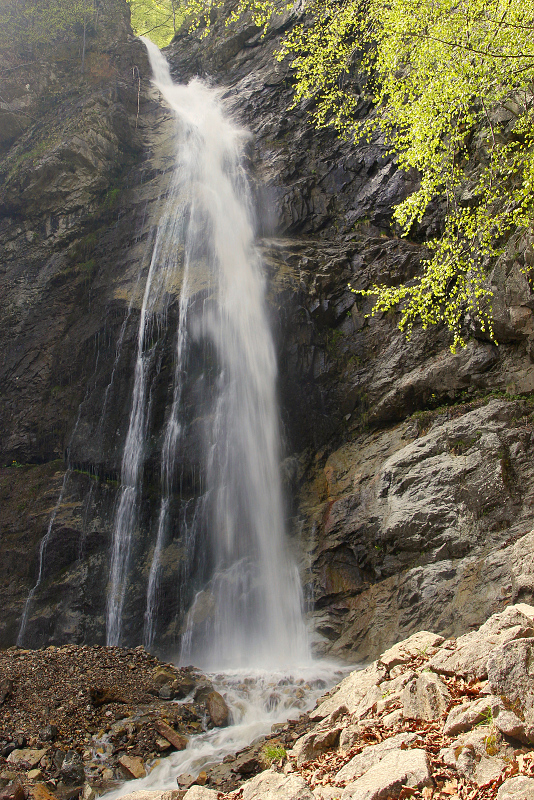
(253, 594)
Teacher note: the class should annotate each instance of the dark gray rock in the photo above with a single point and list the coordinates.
(72, 771)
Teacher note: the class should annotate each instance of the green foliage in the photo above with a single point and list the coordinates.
(447, 80)
(157, 19)
(273, 752)
(26, 26)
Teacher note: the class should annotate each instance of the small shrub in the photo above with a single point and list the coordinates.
(273, 752)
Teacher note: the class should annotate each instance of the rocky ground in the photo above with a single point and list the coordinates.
(78, 719)
(431, 719)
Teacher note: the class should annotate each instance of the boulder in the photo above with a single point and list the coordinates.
(163, 675)
(349, 736)
(425, 697)
(489, 709)
(479, 755)
(398, 768)
(48, 733)
(217, 709)
(513, 726)
(185, 780)
(470, 655)
(271, 785)
(177, 740)
(510, 672)
(27, 756)
(314, 743)
(165, 693)
(133, 766)
(518, 788)
(41, 792)
(72, 771)
(468, 715)
(421, 643)
(372, 755)
(351, 691)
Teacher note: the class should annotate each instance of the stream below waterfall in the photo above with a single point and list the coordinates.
(257, 700)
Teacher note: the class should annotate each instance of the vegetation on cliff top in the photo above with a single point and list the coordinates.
(452, 85)
(158, 19)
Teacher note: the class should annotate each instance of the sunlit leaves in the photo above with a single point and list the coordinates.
(452, 85)
(157, 19)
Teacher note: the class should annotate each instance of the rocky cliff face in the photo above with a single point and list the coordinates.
(408, 468)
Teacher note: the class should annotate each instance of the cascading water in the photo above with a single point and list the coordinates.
(246, 617)
(247, 610)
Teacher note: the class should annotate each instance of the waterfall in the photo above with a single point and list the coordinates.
(247, 610)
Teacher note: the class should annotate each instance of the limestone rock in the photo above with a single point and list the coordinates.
(511, 725)
(27, 756)
(271, 785)
(163, 675)
(468, 715)
(177, 740)
(425, 697)
(326, 793)
(383, 695)
(398, 768)
(200, 793)
(185, 780)
(349, 736)
(162, 744)
(372, 755)
(351, 691)
(421, 643)
(523, 567)
(510, 671)
(393, 719)
(314, 743)
(518, 788)
(510, 676)
(470, 656)
(391, 691)
(217, 709)
(479, 755)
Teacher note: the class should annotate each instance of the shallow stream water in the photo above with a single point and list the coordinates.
(257, 700)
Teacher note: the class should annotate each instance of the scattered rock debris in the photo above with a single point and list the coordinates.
(81, 718)
(429, 720)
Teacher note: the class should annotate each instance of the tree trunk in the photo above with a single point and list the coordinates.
(83, 48)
